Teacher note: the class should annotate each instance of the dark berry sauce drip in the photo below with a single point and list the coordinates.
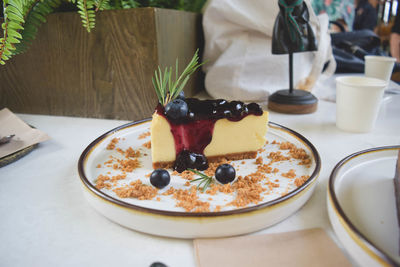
(192, 126)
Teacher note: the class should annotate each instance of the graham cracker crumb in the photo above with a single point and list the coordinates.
(127, 165)
(247, 192)
(300, 181)
(136, 189)
(118, 177)
(189, 200)
(286, 145)
(277, 156)
(259, 160)
(112, 143)
(108, 161)
(188, 175)
(266, 168)
(223, 188)
(147, 145)
(131, 153)
(101, 182)
(271, 185)
(144, 135)
(169, 192)
(290, 174)
(296, 153)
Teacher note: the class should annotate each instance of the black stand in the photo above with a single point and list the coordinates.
(292, 101)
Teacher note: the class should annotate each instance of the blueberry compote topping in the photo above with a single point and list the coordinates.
(186, 159)
(192, 124)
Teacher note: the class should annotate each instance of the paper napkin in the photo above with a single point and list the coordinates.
(311, 247)
(25, 136)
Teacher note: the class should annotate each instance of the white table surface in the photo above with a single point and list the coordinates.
(46, 221)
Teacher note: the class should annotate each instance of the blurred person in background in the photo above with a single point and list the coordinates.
(366, 16)
(395, 36)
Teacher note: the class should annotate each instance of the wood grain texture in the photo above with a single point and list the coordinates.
(104, 74)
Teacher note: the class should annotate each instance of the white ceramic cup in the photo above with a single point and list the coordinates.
(379, 67)
(357, 102)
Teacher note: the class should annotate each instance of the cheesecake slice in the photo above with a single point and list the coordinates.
(210, 130)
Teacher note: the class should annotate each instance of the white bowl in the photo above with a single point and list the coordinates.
(164, 219)
(361, 206)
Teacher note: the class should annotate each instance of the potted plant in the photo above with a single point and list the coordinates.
(104, 73)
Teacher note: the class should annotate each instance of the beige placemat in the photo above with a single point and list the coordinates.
(25, 136)
(311, 247)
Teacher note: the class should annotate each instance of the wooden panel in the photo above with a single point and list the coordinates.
(186, 40)
(105, 74)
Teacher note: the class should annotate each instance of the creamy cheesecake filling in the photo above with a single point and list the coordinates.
(231, 137)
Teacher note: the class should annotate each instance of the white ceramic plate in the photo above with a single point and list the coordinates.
(361, 206)
(162, 217)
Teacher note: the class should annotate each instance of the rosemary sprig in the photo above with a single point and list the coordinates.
(204, 180)
(168, 89)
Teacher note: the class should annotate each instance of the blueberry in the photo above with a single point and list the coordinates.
(227, 113)
(181, 95)
(177, 109)
(221, 102)
(237, 107)
(201, 162)
(160, 178)
(158, 264)
(186, 159)
(255, 108)
(191, 159)
(225, 173)
(181, 162)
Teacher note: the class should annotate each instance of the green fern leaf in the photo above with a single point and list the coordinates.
(13, 21)
(87, 13)
(35, 16)
(15, 17)
(15, 25)
(102, 4)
